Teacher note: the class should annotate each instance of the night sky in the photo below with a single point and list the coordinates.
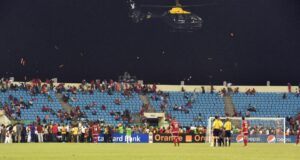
(95, 39)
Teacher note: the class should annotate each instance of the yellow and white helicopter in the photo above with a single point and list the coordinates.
(177, 17)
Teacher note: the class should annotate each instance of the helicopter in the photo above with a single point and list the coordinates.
(175, 17)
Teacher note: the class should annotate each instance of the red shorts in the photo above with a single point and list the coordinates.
(245, 134)
(176, 134)
(95, 137)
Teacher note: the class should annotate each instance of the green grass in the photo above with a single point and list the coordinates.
(68, 151)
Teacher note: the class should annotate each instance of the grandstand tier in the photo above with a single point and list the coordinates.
(190, 108)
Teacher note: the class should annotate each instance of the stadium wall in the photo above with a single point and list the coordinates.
(191, 88)
(193, 138)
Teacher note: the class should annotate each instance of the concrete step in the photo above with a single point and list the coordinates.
(229, 107)
(65, 106)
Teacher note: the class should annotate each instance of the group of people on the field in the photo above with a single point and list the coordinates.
(222, 132)
(20, 133)
(77, 133)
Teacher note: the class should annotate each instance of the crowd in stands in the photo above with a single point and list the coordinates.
(108, 87)
(44, 131)
(13, 105)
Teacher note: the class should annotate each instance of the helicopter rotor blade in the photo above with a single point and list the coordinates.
(156, 6)
(199, 5)
(183, 6)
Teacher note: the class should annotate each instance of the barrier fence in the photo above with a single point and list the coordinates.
(183, 138)
(121, 138)
(192, 138)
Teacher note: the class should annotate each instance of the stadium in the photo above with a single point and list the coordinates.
(142, 79)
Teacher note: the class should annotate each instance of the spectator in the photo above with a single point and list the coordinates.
(247, 114)
(40, 133)
(120, 128)
(106, 134)
(2, 133)
(292, 123)
(142, 112)
(64, 133)
(32, 134)
(117, 101)
(74, 99)
(87, 107)
(175, 108)
(30, 103)
(203, 89)
(18, 132)
(297, 92)
(236, 90)
(284, 96)
(23, 134)
(185, 95)
(103, 107)
(212, 89)
(154, 88)
(189, 103)
(163, 107)
(18, 112)
(54, 132)
(251, 108)
(38, 119)
(162, 130)
(199, 118)
(253, 91)
(46, 133)
(112, 113)
(185, 110)
(75, 137)
(117, 117)
(8, 136)
(180, 108)
(182, 89)
(248, 91)
(289, 87)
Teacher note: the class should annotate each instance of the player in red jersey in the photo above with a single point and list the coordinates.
(245, 130)
(298, 136)
(175, 131)
(95, 132)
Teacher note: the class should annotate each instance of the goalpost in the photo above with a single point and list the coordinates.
(261, 129)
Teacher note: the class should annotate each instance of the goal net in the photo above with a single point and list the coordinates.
(261, 130)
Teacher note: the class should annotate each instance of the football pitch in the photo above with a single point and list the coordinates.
(72, 151)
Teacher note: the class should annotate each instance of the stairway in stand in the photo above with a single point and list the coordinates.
(229, 106)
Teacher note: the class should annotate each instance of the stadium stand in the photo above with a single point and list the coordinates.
(202, 106)
(268, 104)
(98, 103)
(32, 104)
(190, 108)
(98, 99)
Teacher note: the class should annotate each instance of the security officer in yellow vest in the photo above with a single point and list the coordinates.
(228, 128)
(217, 126)
(63, 133)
